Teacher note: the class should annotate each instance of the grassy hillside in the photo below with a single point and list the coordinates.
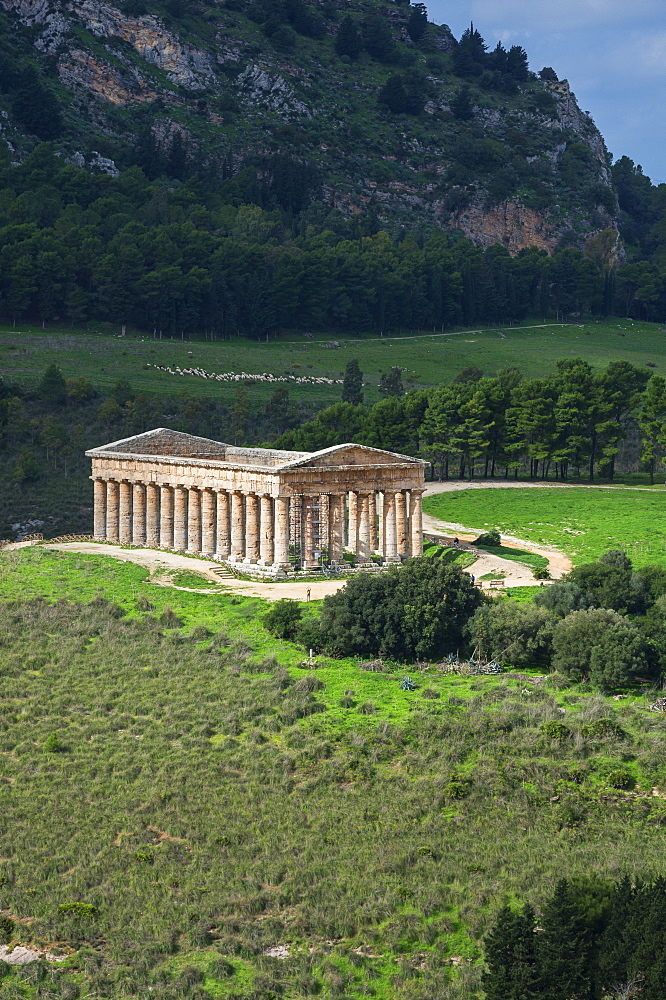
(213, 806)
(583, 522)
(426, 360)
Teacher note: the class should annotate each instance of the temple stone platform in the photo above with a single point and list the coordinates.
(262, 511)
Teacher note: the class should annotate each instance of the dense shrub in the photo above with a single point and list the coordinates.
(598, 645)
(282, 618)
(512, 632)
(417, 611)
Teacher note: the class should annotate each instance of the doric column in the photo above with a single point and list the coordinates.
(267, 532)
(352, 530)
(99, 509)
(125, 514)
(193, 520)
(401, 523)
(310, 560)
(282, 532)
(382, 522)
(152, 515)
(363, 548)
(252, 528)
(415, 523)
(391, 539)
(166, 517)
(207, 522)
(336, 527)
(223, 537)
(139, 514)
(112, 504)
(372, 514)
(180, 518)
(237, 526)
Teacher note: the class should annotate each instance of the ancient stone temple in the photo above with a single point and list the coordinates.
(270, 510)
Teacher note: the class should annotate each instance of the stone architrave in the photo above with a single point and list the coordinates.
(180, 518)
(112, 511)
(139, 515)
(99, 510)
(401, 522)
(391, 542)
(223, 536)
(237, 526)
(363, 546)
(208, 523)
(281, 559)
(267, 530)
(166, 518)
(415, 523)
(336, 527)
(152, 515)
(125, 514)
(194, 520)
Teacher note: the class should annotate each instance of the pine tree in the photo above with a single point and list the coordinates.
(391, 384)
(348, 41)
(378, 39)
(352, 386)
(652, 423)
(565, 951)
(461, 105)
(52, 388)
(393, 95)
(511, 956)
(417, 23)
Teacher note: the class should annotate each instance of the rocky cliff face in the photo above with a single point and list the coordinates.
(230, 92)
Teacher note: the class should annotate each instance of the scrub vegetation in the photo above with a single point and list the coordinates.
(188, 805)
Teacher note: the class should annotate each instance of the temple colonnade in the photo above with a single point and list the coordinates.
(258, 528)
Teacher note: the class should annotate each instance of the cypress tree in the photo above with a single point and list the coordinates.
(393, 95)
(352, 386)
(564, 948)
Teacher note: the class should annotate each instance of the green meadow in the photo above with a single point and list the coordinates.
(190, 809)
(583, 522)
(427, 360)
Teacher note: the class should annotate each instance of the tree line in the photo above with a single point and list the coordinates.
(591, 940)
(197, 258)
(571, 423)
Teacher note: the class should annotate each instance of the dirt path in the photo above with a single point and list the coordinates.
(453, 485)
(559, 562)
(159, 563)
(431, 336)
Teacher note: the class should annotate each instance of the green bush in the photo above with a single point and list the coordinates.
(83, 910)
(53, 744)
(621, 778)
(6, 931)
(554, 730)
(490, 537)
(282, 618)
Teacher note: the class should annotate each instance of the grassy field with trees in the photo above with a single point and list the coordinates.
(186, 808)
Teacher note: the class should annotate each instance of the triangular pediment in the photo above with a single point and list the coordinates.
(164, 441)
(345, 455)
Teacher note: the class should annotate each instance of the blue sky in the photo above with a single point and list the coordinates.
(612, 52)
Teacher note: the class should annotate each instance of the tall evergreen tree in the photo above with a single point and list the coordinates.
(511, 957)
(417, 24)
(348, 41)
(52, 388)
(352, 386)
(391, 384)
(378, 39)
